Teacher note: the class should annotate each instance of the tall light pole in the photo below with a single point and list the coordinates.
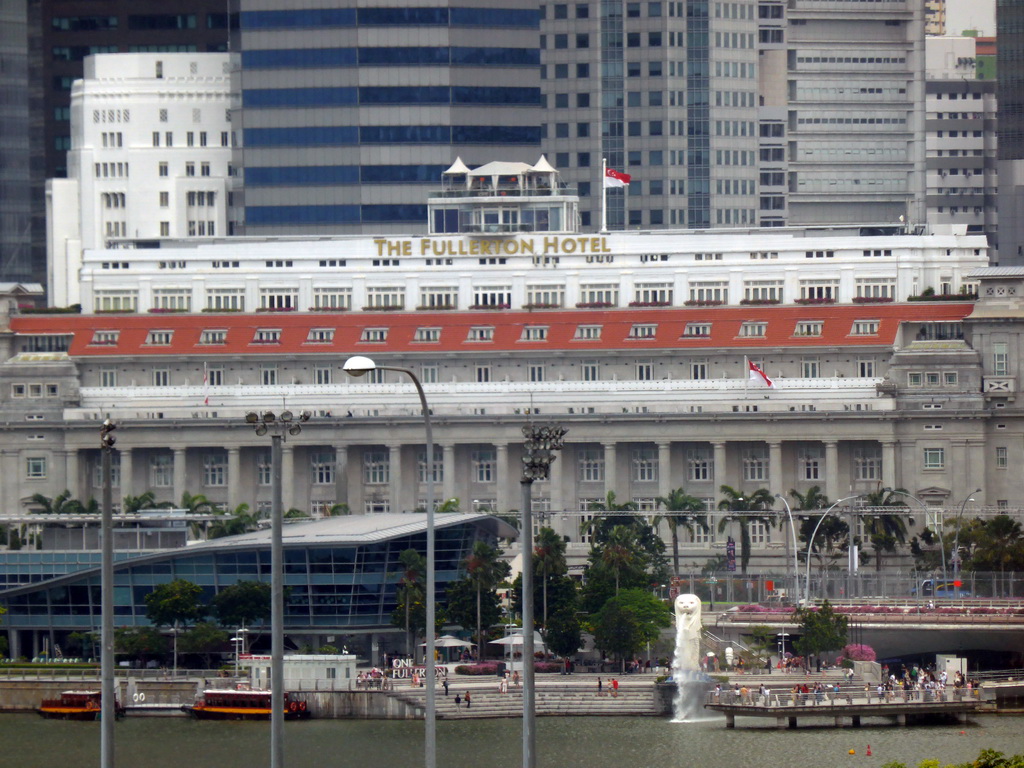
(107, 705)
(277, 426)
(810, 542)
(538, 453)
(957, 560)
(360, 366)
(792, 533)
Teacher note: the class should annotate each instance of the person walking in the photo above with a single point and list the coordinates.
(615, 687)
(445, 684)
(458, 701)
(599, 686)
(468, 700)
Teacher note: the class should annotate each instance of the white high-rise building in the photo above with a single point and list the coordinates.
(150, 159)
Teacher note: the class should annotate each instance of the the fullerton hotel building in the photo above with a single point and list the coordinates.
(638, 343)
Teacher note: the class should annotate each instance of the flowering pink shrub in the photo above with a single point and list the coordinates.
(857, 652)
(484, 668)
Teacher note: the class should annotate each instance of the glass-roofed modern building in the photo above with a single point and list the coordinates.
(341, 576)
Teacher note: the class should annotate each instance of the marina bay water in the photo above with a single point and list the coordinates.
(593, 742)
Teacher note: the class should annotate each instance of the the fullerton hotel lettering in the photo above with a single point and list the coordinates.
(429, 246)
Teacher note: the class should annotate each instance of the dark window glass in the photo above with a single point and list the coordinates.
(635, 218)
(495, 17)
(561, 159)
(83, 23)
(495, 134)
(418, 17)
(384, 174)
(561, 11)
(654, 39)
(657, 216)
(582, 40)
(654, 9)
(163, 21)
(561, 100)
(313, 18)
(635, 157)
(582, 100)
(437, 94)
(399, 56)
(583, 130)
(654, 68)
(299, 57)
(583, 188)
(655, 128)
(220, 21)
(654, 98)
(633, 128)
(583, 70)
(301, 175)
(582, 11)
(583, 159)
(312, 136)
(632, 39)
(299, 97)
(417, 213)
(561, 41)
(508, 57)
(561, 130)
(405, 134)
(561, 71)
(495, 95)
(302, 214)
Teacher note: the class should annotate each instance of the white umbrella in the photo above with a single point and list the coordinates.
(450, 641)
(517, 639)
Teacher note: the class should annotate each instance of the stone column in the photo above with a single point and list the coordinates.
(557, 491)
(179, 474)
(720, 477)
(664, 468)
(610, 473)
(341, 476)
(72, 479)
(288, 478)
(10, 461)
(234, 476)
(60, 472)
(505, 496)
(126, 473)
(397, 486)
(889, 465)
(448, 474)
(832, 489)
(775, 481)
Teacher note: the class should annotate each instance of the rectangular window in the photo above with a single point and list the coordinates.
(268, 374)
(215, 469)
(115, 301)
(214, 376)
(698, 369)
(866, 369)
(264, 469)
(161, 377)
(159, 338)
(1002, 461)
(108, 377)
(35, 467)
(267, 336)
(442, 297)
(753, 329)
(811, 465)
(390, 297)
(544, 296)
(590, 370)
(809, 328)
(536, 372)
(279, 298)
(643, 331)
(427, 335)
(214, 336)
(865, 328)
(484, 466)
(376, 468)
(320, 336)
(810, 368)
(645, 371)
(876, 288)
(699, 465)
(429, 374)
(709, 292)
(421, 467)
(588, 332)
(590, 463)
(645, 465)
(599, 296)
(322, 375)
(225, 299)
(1000, 359)
(534, 333)
(374, 335)
(322, 466)
(332, 298)
(483, 374)
(762, 291)
(658, 294)
(699, 330)
(481, 333)
(934, 458)
(867, 464)
(492, 297)
(819, 290)
(161, 470)
(755, 466)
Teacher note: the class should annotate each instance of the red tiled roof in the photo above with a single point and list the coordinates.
(616, 324)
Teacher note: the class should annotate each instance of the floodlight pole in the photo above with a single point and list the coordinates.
(108, 711)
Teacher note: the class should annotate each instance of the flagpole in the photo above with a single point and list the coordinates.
(746, 375)
(604, 194)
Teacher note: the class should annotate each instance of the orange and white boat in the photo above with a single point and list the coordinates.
(76, 705)
(228, 704)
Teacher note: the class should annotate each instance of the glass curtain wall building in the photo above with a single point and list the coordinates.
(342, 575)
(15, 261)
(349, 115)
(1010, 92)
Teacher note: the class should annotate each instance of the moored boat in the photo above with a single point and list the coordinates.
(228, 704)
(76, 705)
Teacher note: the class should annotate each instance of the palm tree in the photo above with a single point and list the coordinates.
(812, 498)
(195, 504)
(885, 531)
(133, 504)
(678, 500)
(485, 569)
(760, 500)
(619, 551)
(239, 520)
(414, 569)
(597, 523)
(339, 509)
(549, 556)
(61, 504)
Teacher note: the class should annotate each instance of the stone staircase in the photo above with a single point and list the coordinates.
(635, 697)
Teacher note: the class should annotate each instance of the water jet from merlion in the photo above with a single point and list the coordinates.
(690, 682)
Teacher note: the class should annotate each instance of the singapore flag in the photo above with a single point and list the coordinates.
(613, 179)
(756, 374)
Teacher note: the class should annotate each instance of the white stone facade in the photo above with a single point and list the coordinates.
(149, 158)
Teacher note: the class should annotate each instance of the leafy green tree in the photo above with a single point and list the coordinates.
(997, 545)
(410, 594)
(628, 621)
(563, 634)
(761, 639)
(599, 524)
(885, 531)
(175, 603)
(239, 520)
(485, 570)
(678, 500)
(821, 630)
(204, 639)
(461, 608)
(84, 644)
(243, 604)
(339, 509)
(549, 559)
(627, 555)
(832, 539)
(142, 643)
(750, 504)
(812, 498)
(620, 552)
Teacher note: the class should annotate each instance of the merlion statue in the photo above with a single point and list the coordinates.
(688, 628)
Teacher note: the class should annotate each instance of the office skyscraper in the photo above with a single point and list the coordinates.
(350, 112)
(15, 262)
(1010, 90)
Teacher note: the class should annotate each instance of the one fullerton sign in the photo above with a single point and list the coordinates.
(512, 246)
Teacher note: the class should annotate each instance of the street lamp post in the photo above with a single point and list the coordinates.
(277, 426)
(957, 560)
(792, 532)
(810, 543)
(107, 709)
(539, 449)
(359, 366)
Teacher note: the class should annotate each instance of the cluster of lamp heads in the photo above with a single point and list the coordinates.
(107, 440)
(540, 446)
(263, 420)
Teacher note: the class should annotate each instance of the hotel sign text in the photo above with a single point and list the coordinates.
(434, 246)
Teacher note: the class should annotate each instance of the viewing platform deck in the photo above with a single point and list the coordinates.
(847, 709)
